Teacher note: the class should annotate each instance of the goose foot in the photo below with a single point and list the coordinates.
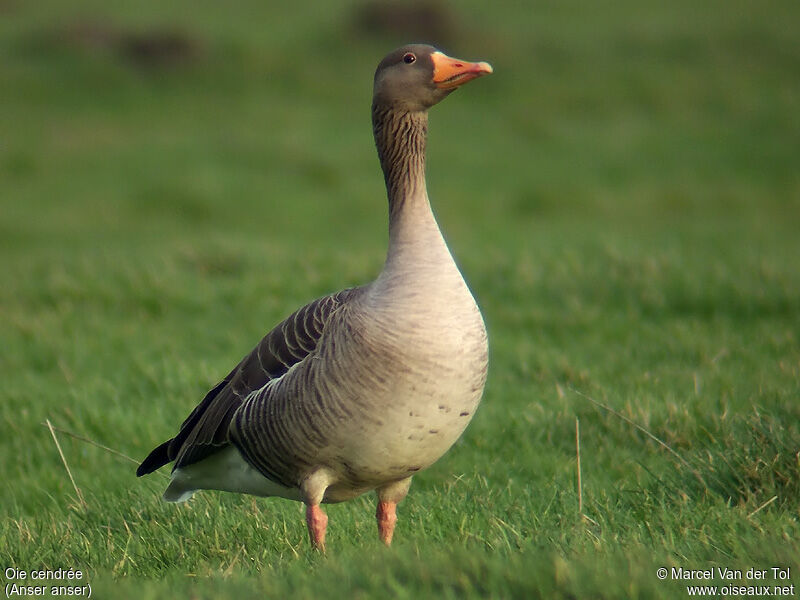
(387, 518)
(317, 522)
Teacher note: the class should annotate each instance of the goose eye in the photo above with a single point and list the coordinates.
(409, 58)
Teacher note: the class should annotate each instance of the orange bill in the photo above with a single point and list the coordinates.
(450, 73)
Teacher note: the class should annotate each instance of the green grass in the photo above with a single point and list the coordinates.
(622, 195)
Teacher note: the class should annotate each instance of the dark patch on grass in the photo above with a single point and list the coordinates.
(420, 20)
(159, 48)
(150, 49)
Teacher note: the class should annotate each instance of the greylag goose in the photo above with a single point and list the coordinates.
(362, 389)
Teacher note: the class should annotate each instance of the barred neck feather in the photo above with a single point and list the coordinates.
(400, 137)
(416, 245)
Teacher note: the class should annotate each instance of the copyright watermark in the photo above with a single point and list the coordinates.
(20, 583)
(723, 581)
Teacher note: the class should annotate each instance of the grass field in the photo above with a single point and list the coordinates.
(623, 196)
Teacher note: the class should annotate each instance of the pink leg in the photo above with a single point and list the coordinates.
(317, 522)
(386, 521)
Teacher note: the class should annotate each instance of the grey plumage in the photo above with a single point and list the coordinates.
(361, 389)
(205, 430)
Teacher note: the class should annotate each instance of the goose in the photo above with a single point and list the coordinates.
(362, 389)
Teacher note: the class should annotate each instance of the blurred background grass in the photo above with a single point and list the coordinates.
(622, 194)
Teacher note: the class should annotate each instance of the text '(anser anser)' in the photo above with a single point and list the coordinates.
(362, 389)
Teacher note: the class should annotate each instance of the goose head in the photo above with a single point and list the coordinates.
(417, 76)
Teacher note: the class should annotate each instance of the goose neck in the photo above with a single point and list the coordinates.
(400, 137)
(417, 251)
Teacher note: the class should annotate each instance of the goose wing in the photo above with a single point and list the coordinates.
(205, 430)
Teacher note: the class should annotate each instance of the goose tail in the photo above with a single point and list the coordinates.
(155, 460)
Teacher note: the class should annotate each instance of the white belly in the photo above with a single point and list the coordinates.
(417, 399)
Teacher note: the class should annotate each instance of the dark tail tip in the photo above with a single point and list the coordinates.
(156, 459)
